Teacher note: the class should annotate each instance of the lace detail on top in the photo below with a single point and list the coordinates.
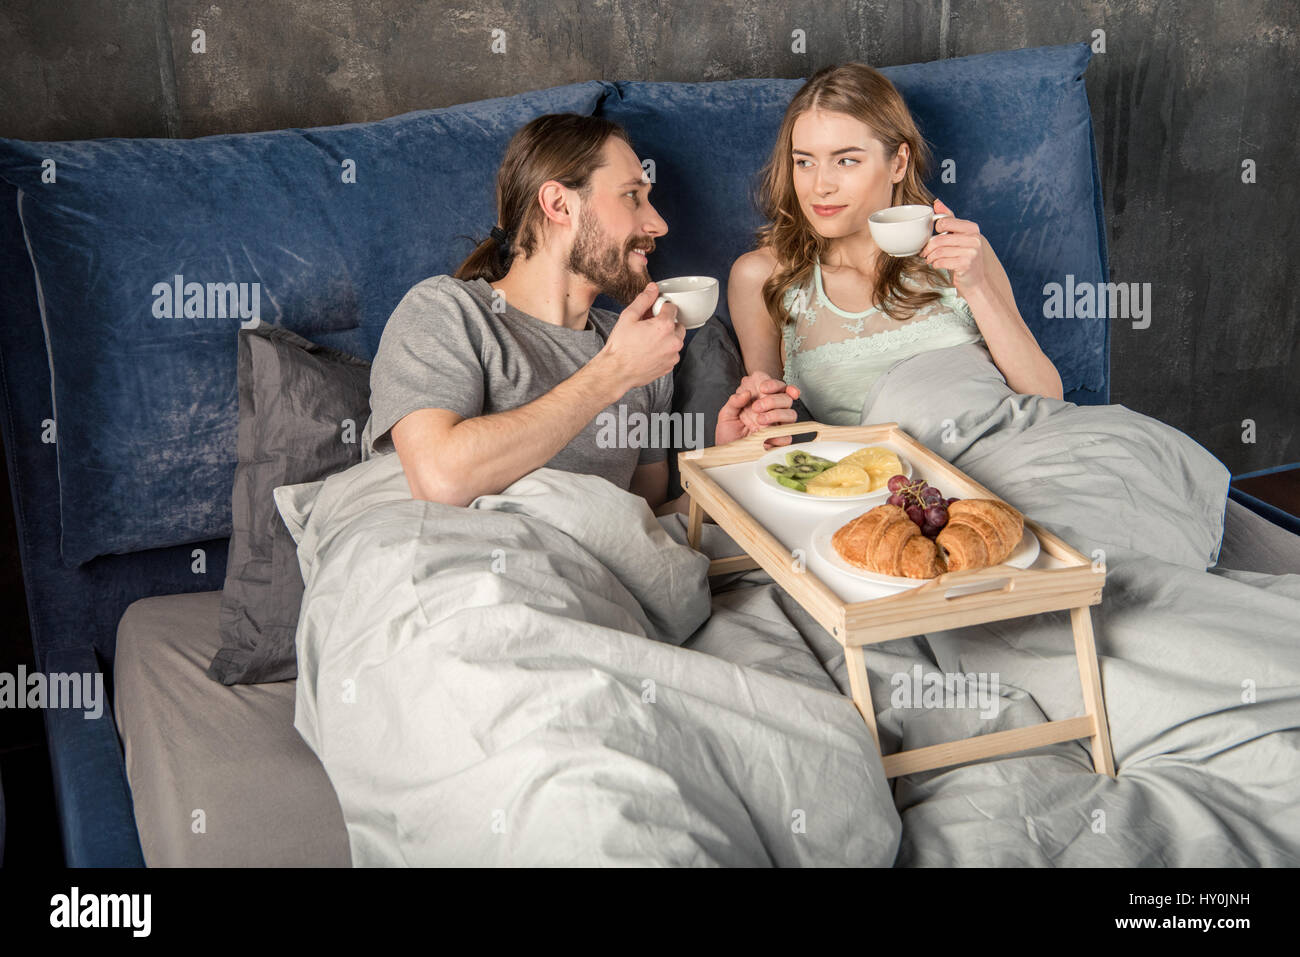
(835, 356)
(912, 338)
(816, 321)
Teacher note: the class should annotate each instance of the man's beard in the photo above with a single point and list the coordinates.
(606, 264)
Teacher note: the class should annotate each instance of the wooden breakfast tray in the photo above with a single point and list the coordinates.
(952, 600)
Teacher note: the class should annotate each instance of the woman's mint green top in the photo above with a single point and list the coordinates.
(835, 357)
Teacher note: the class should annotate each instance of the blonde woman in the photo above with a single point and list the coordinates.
(818, 305)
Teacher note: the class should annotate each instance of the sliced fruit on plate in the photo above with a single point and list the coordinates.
(880, 463)
(873, 457)
(789, 476)
(840, 480)
(808, 459)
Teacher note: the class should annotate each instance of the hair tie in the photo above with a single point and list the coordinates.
(502, 237)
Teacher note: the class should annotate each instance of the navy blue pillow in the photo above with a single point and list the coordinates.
(1017, 125)
(146, 403)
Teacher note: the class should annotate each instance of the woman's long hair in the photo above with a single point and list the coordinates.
(864, 94)
(565, 147)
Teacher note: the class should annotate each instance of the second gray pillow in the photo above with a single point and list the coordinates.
(301, 410)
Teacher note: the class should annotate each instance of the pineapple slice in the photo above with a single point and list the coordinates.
(840, 480)
(879, 463)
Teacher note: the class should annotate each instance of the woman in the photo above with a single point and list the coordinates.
(818, 304)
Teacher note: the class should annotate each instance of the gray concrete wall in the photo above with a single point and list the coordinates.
(1182, 95)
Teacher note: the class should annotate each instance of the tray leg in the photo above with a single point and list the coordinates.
(1092, 724)
(694, 519)
(1090, 677)
(855, 660)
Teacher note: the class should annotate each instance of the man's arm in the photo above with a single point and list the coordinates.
(453, 460)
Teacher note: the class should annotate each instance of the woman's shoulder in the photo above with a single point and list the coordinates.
(950, 300)
(948, 290)
(753, 268)
(942, 283)
(751, 272)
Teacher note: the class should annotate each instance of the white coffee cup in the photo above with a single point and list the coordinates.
(903, 230)
(696, 298)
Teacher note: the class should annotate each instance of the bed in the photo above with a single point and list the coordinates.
(267, 798)
(122, 457)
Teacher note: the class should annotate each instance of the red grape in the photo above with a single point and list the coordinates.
(930, 531)
(936, 515)
(915, 514)
(897, 499)
(896, 482)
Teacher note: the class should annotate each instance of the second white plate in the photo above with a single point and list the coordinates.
(1024, 555)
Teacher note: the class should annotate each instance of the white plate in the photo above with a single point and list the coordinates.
(1024, 555)
(827, 450)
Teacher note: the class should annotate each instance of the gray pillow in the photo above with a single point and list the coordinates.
(707, 374)
(301, 411)
(710, 369)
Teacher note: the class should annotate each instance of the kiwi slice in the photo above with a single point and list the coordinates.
(807, 471)
(806, 458)
(785, 474)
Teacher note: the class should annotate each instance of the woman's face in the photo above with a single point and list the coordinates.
(841, 173)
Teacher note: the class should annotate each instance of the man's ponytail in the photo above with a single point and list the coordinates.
(487, 261)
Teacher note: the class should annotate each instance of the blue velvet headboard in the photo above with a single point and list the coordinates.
(133, 498)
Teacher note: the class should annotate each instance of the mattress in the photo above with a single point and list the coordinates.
(220, 776)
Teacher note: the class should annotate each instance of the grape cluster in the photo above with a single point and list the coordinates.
(924, 504)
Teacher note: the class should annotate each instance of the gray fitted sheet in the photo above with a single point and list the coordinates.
(232, 753)
(193, 744)
(1252, 543)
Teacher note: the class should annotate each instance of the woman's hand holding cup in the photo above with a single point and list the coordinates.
(958, 249)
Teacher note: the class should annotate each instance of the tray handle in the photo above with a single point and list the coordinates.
(976, 581)
(818, 429)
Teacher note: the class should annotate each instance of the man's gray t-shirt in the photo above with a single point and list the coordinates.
(445, 348)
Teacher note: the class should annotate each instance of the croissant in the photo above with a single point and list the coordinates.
(980, 532)
(884, 540)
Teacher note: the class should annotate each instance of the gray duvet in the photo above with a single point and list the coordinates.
(545, 678)
(506, 684)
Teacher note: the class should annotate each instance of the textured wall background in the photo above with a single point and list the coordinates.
(1182, 95)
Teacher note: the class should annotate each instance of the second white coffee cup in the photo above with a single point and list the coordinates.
(903, 230)
(696, 298)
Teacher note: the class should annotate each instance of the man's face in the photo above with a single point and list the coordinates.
(616, 226)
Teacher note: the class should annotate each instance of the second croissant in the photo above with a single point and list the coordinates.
(979, 533)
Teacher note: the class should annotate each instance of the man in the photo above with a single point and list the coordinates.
(482, 377)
